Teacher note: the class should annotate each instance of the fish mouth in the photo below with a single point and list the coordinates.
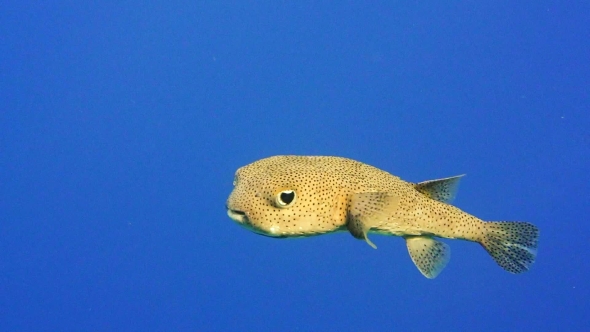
(237, 215)
(241, 218)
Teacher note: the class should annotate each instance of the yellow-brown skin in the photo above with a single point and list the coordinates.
(323, 186)
(295, 196)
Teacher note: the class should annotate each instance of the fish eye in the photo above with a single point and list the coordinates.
(285, 198)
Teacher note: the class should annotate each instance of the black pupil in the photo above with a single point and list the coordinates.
(287, 197)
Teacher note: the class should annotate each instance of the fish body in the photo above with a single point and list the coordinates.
(297, 196)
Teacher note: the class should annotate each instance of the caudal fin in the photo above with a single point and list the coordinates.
(513, 245)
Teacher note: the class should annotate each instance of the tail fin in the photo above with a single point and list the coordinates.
(513, 245)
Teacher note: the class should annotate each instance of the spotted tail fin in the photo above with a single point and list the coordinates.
(513, 245)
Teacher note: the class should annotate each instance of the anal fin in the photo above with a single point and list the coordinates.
(367, 210)
(429, 255)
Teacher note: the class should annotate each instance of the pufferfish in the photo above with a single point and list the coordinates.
(299, 196)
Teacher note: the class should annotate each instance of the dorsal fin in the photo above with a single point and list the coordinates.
(442, 190)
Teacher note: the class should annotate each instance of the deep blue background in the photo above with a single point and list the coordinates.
(122, 123)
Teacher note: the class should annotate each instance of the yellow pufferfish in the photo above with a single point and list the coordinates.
(298, 196)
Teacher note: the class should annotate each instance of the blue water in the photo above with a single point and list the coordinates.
(122, 123)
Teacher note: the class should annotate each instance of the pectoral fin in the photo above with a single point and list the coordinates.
(429, 255)
(443, 190)
(367, 210)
